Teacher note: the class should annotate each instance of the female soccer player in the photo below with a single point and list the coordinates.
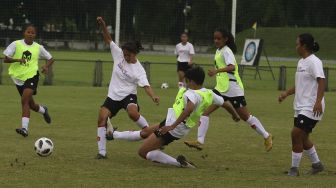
(127, 74)
(230, 87)
(308, 102)
(184, 52)
(23, 55)
(187, 109)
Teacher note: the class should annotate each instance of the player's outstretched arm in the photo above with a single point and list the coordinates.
(285, 94)
(150, 93)
(106, 34)
(12, 60)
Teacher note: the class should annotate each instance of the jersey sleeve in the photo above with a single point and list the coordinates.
(176, 49)
(115, 51)
(191, 49)
(316, 69)
(217, 100)
(142, 78)
(44, 54)
(10, 50)
(192, 96)
(228, 57)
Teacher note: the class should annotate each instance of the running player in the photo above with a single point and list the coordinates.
(127, 74)
(23, 55)
(184, 52)
(230, 87)
(308, 103)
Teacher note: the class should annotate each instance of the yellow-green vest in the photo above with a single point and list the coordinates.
(222, 78)
(194, 117)
(28, 70)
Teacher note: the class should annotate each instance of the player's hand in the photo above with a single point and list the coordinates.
(282, 96)
(22, 61)
(156, 100)
(212, 72)
(317, 110)
(45, 69)
(163, 130)
(101, 21)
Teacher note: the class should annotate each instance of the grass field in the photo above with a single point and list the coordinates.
(235, 153)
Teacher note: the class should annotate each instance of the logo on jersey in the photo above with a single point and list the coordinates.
(123, 70)
(26, 55)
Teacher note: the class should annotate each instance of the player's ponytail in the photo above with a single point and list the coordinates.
(230, 39)
(133, 47)
(308, 40)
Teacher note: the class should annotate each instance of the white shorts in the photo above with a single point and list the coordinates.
(181, 130)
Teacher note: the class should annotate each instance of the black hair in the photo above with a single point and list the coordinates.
(196, 74)
(184, 33)
(25, 27)
(308, 40)
(230, 42)
(133, 47)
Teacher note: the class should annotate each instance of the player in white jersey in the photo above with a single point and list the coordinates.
(127, 74)
(184, 52)
(308, 103)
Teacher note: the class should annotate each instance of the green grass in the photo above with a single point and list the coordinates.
(235, 152)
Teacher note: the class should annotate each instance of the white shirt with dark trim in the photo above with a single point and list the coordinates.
(10, 51)
(308, 70)
(183, 52)
(125, 76)
(234, 90)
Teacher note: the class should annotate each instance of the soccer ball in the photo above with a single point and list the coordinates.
(164, 85)
(44, 147)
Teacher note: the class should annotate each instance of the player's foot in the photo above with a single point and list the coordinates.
(194, 144)
(236, 118)
(100, 156)
(316, 168)
(268, 143)
(294, 171)
(46, 115)
(184, 163)
(22, 131)
(109, 132)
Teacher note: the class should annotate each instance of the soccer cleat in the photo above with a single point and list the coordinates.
(22, 131)
(316, 168)
(268, 143)
(194, 144)
(109, 133)
(184, 163)
(294, 171)
(100, 156)
(46, 115)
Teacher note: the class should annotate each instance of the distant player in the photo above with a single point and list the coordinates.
(23, 55)
(308, 103)
(187, 109)
(127, 74)
(230, 87)
(184, 52)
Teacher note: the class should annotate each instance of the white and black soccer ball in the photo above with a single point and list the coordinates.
(164, 85)
(44, 147)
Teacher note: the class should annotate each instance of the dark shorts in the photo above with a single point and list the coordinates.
(115, 106)
(30, 83)
(305, 123)
(167, 138)
(237, 102)
(183, 66)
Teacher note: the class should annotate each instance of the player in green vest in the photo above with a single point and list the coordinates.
(188, 107)
(23, 56)
(230, 87)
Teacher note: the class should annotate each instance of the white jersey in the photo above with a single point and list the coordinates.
(308, 70)
(125, 76)
(184, 52)
(234, 89)
(10, 51)
(182, 130)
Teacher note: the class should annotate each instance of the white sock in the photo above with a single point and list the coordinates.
(101, 140)
(255, 124)
(202, 129)
(142, 122)
(312, 155)
(127, 135)
(25, 122)
(296, 159)
(180, 85)
(160, 157)
(41, 110)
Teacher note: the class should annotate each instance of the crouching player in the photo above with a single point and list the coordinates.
(188, 107)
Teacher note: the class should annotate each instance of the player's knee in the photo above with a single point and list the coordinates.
(145, 132)
(133, 114)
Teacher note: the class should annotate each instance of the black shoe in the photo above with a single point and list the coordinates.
(109, 134)
(316, 168)
(100, 156)
(22, 131)
(184, 163)
(294, 171)
(46, 115)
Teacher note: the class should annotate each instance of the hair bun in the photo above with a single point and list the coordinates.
(138, 45)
